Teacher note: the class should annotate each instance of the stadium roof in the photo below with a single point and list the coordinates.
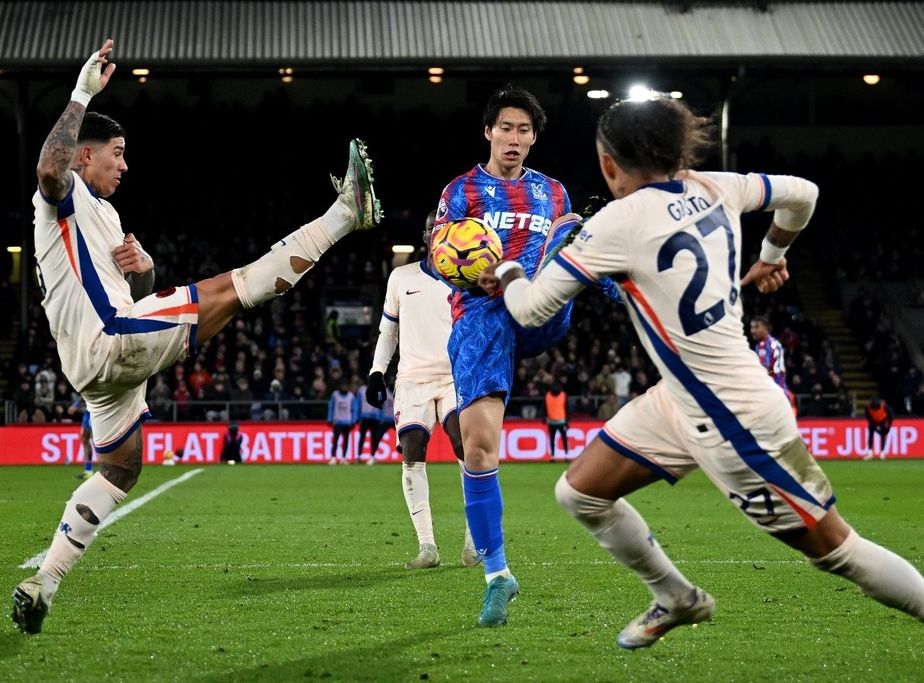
(334, 34)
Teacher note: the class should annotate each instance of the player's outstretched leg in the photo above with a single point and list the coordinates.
(277, 271)
(622, 532)
(878, 572)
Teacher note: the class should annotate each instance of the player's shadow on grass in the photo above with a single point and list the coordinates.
(314, 579)
(372, 662)
(11, 642)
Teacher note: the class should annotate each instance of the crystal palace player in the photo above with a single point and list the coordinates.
(673, 241)
(522, 205)
(770, 353)
(111, 334)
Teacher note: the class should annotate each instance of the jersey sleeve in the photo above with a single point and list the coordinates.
(792, 198)
(602, 247)
(533, 303)
(388, 328)
(453, 204)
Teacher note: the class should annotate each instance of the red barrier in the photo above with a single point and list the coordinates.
(309, 442)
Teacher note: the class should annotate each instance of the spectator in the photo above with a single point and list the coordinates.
(160, 399)
(815, 406)
(276, 397)
(917, 401)
(623, 382)
(608, 408)
(217, 395)
(241, 396)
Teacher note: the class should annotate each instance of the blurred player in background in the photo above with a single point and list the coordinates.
(111, 334)
(522, 205)
(879, 418)
(771, 355)
(386, 421)
(341, 415)
(370, 420)
(416, 321)
(673, 242)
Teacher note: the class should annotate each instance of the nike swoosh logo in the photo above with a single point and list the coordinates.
(409, 292)
(282, 243)
(414, 513)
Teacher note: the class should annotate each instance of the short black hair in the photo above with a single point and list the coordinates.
(518, 98)
(762, 320)
(99, 128)
(659, 135)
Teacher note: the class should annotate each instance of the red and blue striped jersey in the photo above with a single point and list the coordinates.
(770, 353)
(521, 211)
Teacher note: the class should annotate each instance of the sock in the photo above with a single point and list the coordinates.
(88, 463)
(484, 509)
(87, 507)
(468, 542)
(277, 271)
(879, 573)
(622, 532)
(417, 496)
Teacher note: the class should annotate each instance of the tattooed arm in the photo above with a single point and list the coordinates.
(54, 163)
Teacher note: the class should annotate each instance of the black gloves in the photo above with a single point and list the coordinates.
(375, 390)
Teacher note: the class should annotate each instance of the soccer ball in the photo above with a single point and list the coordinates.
(462, 249)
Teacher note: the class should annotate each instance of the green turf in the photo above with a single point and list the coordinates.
(296, 572)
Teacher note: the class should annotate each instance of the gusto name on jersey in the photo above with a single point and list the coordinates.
(687, 207)
(511, 220)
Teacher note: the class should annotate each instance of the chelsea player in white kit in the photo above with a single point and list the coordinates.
(111, 333)
(672, 240)
(416, 320)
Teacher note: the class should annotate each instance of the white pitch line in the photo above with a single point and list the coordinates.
(35, 561)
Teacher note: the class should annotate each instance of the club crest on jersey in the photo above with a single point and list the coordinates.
(442, 209)
(538, 192)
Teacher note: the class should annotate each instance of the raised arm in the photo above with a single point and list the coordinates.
(54, 163)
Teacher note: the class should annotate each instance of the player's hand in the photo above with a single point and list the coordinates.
(94, 75)
(376, 392)
(768, 277)
(131, 258)
(488, 282)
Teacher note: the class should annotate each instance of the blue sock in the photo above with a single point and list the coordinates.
(88, 465)
(484, 508)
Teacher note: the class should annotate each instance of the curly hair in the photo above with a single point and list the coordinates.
(659, 135)
(519, 99)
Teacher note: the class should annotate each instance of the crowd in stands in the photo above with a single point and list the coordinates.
(292, 354)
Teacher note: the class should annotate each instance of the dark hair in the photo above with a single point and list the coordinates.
(431, 219)
(762, 320)
(660, 135)
(518, 98)
(99, 128)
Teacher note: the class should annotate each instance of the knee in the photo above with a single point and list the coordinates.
(589, 510)
(414, 446)
(123, 476)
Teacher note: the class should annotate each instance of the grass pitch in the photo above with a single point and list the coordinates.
(296, 573)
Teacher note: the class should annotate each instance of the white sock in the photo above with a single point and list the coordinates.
(278, 270)
(468, 543)
(493, 575)
(879, 573)
(622, 532)
(417, 496)
(87, 507)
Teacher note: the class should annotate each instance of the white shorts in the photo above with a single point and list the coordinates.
(765, 471)
(418, 405)
(154, 333)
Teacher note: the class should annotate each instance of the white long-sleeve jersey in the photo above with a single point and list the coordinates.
(675, 250)
(417, 312)
(83, 287)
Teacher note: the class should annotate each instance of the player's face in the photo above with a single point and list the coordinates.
(758, 330)
(511, 138)
(104, 165)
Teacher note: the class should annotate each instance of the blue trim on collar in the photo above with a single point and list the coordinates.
(675, 186)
